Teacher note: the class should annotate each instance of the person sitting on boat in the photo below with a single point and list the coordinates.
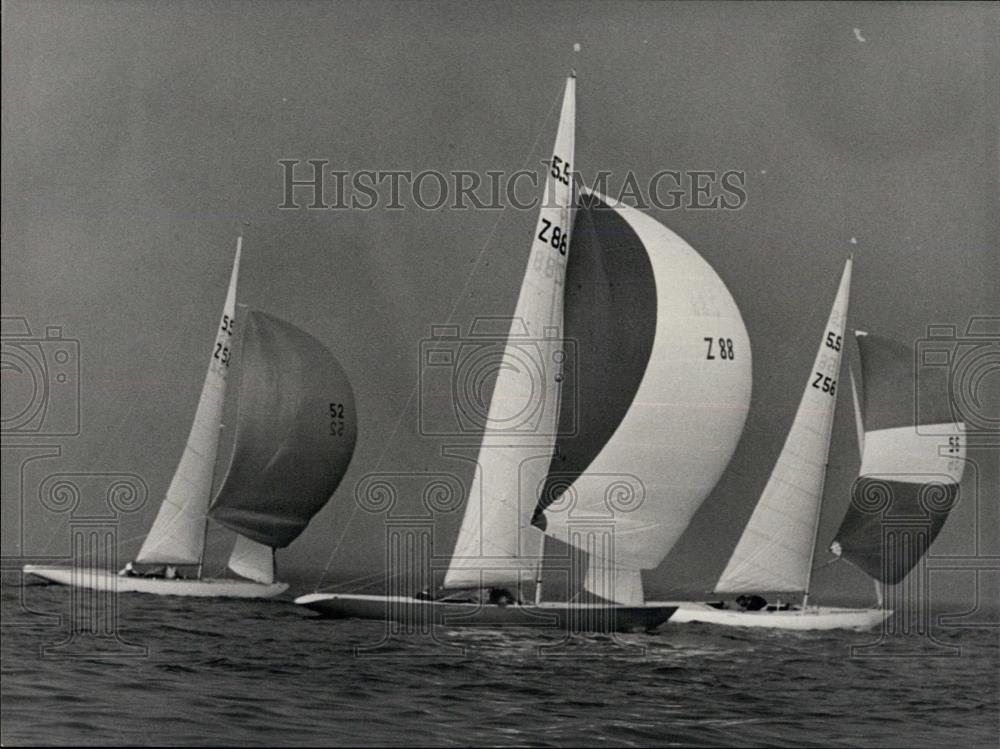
(751, 603)
(501, 597)
(128, 571)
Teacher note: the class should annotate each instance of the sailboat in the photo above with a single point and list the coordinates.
(294, 438)
(630, 435)
(776, 552)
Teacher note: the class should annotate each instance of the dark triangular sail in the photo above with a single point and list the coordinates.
(295, 433)
(912, 461)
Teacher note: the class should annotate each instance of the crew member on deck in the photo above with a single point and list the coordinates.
(501, 597)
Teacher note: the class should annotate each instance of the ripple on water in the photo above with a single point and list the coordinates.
(238, 673)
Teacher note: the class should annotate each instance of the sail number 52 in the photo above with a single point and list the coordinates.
(336, 419)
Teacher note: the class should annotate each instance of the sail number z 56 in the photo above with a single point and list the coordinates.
(825, 383)
(556, 237)
(222, 352)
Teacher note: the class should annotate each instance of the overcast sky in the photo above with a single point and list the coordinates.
(138, 138)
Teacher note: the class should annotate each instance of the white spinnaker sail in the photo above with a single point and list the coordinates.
(496, 541)
(680, 431)
(252, 560)
(178, 533)
(775, 552)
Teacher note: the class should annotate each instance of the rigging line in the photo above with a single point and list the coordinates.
(825, 564)
(454, 307)
(103, 454)
(385, 574)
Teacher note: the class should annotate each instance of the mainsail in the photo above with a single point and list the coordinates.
(660, 391)
(295, 434)
(178, 533)
(496, 542)
(911, 465)
(775, 552)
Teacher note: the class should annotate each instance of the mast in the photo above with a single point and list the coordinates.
(204, 541)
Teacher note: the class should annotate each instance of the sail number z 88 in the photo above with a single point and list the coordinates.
(724, 350)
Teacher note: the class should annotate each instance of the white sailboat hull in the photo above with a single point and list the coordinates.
(811, 618)
(575, 617)
(95, 579)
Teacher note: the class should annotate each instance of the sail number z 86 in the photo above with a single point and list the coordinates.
(557, 237)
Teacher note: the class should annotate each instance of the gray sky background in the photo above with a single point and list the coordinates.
(138, 137)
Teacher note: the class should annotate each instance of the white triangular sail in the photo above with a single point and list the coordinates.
(637, 492)
(252, 560)
(776, 549)
(496, 542)
(178, 533)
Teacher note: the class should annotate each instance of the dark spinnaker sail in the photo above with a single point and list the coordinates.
(295, 433)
